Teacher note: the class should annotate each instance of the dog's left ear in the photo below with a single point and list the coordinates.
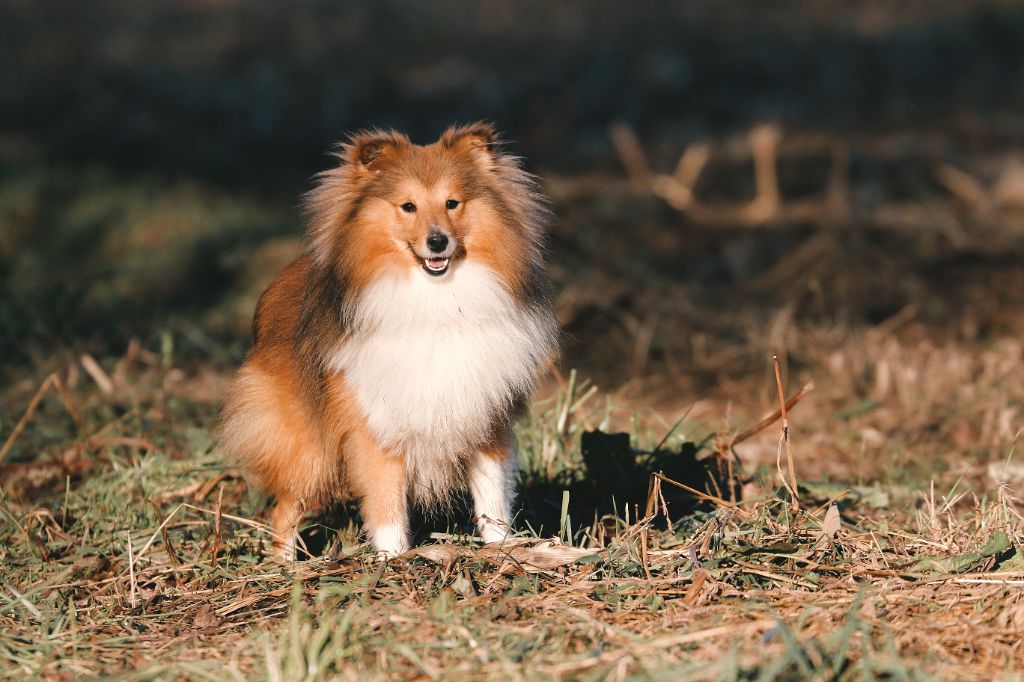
(480, 139)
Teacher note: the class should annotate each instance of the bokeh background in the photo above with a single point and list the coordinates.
(152, 157)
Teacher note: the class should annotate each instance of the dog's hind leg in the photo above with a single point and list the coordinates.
(284, 522)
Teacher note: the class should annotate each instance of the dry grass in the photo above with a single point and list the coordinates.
(128, 549)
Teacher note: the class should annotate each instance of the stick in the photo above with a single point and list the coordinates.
(632, 154)
(207, 487)
(644, 560)
(32, 405)
(131, 567)
(652, 498)
(694, 491)
(563, 418)
(94, 370)
(962, 185)
(677, 189)
(772, 418)
(795, 502)
(153, 537)
(68, 405)
(763, 141)
(166, 537)
(216, 525)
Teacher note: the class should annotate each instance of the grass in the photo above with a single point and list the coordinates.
(127, 548)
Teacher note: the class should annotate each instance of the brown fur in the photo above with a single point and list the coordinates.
(290, 420)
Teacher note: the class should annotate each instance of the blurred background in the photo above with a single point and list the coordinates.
(730, 179)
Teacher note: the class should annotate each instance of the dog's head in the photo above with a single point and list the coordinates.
(396, 207)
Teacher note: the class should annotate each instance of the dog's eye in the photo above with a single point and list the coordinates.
(409, 207)
(451, 204)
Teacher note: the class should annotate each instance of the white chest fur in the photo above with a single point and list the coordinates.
(433, 363)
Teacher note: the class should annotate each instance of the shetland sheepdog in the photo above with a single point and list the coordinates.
(390, 359)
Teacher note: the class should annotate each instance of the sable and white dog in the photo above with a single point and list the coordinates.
(390, 359)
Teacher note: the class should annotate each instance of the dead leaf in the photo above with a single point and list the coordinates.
(830, 527)
(205, 618)
(439, 554)
(541, 556)
(700, 576)
(533, 556)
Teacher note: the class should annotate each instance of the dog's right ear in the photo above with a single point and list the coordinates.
(370, 149)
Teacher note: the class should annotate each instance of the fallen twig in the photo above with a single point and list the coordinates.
(94, 370)
(794, 499)
(51, 380)
(771, 418)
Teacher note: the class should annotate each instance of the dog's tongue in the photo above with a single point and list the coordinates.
(436, 263)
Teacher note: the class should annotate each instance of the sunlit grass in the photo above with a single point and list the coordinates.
(153, 560)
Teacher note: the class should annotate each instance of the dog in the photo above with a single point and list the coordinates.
(390, 360)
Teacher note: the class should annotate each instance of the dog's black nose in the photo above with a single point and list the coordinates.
(437, 241)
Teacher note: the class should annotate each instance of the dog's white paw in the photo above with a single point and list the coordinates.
(390, 541)
(491, 530)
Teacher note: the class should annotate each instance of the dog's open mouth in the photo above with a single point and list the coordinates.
(436, 266)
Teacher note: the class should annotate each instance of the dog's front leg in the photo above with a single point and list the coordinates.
(378, 479)
(492, 482)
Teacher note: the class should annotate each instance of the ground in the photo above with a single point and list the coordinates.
(129, 545)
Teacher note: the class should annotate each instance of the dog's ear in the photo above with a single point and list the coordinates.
(371, 149)
(480, 139)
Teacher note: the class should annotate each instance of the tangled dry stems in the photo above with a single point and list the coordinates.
(152, 562)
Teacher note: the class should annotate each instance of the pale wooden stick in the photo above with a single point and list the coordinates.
(94, 370)
(632, 154)
(795, 503)
(766, 203)
(131, 567)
